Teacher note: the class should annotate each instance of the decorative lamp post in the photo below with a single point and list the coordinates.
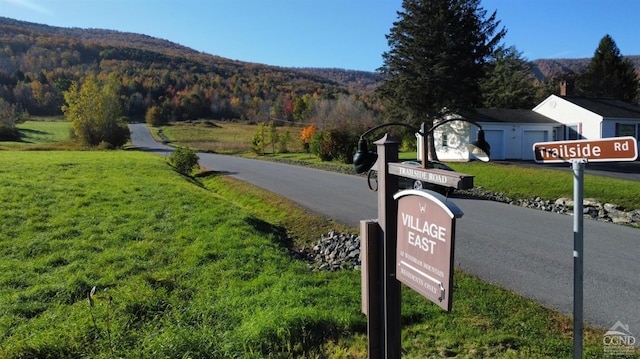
(381, 289)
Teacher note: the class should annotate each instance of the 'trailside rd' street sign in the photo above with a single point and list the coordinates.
(603, 150)
(432, 175)
(425, 244)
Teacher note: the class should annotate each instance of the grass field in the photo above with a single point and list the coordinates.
(224, 137)
(43, 133)
(200, 268)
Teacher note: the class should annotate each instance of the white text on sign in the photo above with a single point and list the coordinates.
(423, 234)
(604, 150)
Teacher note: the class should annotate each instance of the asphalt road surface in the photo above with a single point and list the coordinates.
(524, 250)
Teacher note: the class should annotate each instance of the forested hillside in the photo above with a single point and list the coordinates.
(546, 69)
(39, 62)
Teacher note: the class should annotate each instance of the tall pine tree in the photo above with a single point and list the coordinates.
(510, 82)
(436, 58)
(610, 75)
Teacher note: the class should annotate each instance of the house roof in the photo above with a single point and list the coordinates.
(502, 115)
(606, 107)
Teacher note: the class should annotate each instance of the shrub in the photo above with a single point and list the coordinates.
(184, 160)
(258, 140)
(155, 117)
(321, 145)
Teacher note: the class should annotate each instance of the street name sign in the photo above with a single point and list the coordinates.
(603, 150)
(425, 244)
(432, 175)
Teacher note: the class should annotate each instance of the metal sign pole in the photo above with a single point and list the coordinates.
(578, 262)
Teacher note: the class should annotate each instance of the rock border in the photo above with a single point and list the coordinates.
(335, 251)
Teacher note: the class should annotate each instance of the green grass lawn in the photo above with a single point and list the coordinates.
(222, 136)
(201, 268)
(180, 271)
(40, 133)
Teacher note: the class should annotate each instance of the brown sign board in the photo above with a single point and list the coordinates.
(425, 244)
(603, 150)
(432, 175)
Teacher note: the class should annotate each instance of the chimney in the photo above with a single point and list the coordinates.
(566, 88)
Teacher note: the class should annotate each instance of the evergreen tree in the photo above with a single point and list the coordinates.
(610, 75)
(510, 82)
(437, 56)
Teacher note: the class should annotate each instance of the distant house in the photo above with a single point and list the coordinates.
(512, 133)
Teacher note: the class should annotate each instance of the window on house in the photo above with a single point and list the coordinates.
(626, 129)
(445, 140)
(572, 132)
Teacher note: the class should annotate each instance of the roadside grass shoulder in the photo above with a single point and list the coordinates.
(521, 182)
(517, 182)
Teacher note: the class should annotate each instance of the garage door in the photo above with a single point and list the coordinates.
(529, 138)
(496, 140)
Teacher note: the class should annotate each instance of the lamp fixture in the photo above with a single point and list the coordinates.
(364, 159)
(480, 149)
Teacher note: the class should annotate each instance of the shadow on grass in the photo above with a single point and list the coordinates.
(25, 132)
(207, 174)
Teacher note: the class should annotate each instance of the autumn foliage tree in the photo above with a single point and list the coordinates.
(306, 135)
(95, 113)
(155, 117)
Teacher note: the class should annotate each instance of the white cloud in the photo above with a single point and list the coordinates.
(28, 5)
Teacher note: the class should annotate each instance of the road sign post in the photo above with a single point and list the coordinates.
(578, 261)
(578, 153)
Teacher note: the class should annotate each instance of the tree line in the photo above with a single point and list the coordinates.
(42, 68)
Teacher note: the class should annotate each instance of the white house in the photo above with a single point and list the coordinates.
(590, 118)
(512, 133)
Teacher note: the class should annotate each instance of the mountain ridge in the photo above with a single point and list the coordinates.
(544, 69)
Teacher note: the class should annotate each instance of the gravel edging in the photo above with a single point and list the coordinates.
(336, 251)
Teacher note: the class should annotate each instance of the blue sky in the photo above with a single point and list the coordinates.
(348, 34)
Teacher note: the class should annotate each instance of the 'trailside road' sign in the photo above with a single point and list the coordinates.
(604, 150)
(432, 175)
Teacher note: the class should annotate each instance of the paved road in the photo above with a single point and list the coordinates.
(524, 250)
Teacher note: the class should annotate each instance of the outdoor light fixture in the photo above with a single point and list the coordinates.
(364, 159)
(480, 148)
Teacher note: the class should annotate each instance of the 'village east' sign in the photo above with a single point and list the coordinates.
(425, 244)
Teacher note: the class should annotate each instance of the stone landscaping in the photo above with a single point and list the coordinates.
(336, 251)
